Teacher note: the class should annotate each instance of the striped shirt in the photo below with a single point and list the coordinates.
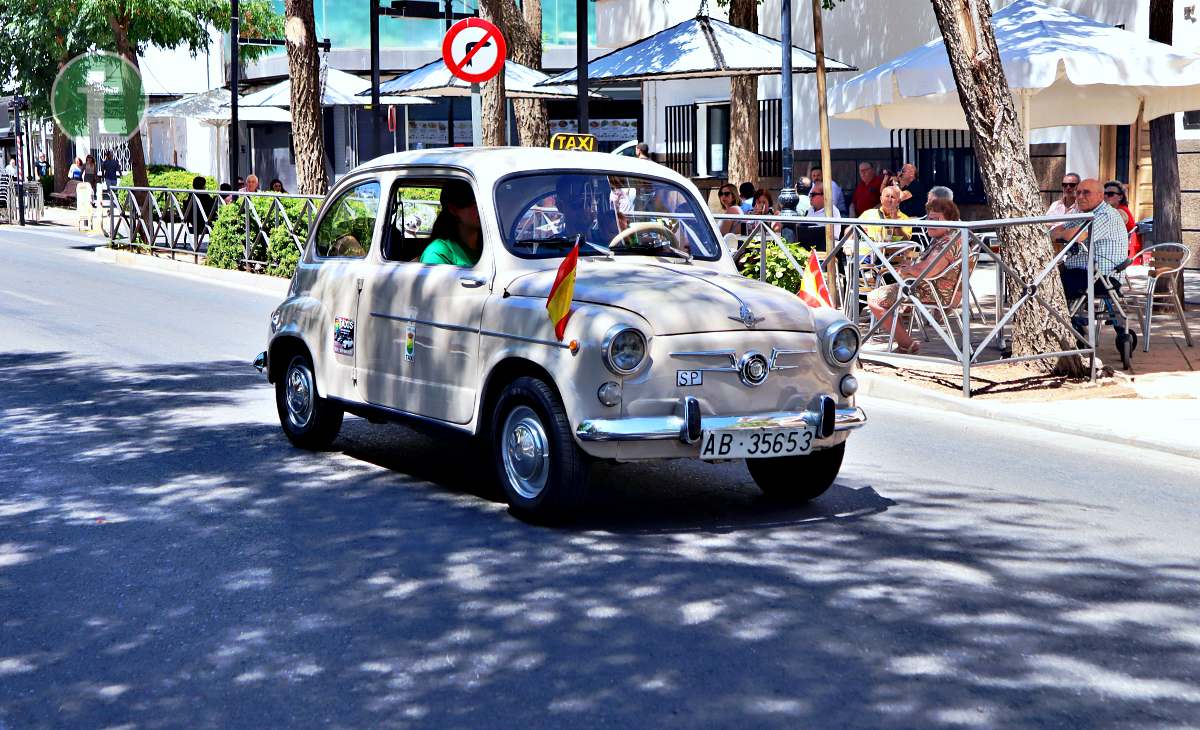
(1108, 238)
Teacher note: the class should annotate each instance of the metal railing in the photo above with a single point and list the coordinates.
(977, 242)
(180, 220)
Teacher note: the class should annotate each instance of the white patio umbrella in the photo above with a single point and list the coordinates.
(699, 48)
(212, 107)
(341, 89)
(1064, 69)
(434, 79)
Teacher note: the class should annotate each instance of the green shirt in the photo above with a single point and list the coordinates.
(445, 251)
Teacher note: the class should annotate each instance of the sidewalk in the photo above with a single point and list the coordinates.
(1155, 405)
(61, 222)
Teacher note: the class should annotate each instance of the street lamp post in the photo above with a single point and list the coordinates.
(581, 62)
(788, 198)
(234, 81)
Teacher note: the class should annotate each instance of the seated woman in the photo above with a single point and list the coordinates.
(455, 232)
(941, 254)
(727, 195)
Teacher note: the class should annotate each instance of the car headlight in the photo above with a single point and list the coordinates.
(276, 320)
(624, 349)
(841, 344)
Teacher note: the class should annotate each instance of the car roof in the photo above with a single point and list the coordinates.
(488, 164)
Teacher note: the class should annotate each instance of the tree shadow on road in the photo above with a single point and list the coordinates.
(166, 558)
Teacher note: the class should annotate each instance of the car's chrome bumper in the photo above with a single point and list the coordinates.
(661, 428)
(260, 362)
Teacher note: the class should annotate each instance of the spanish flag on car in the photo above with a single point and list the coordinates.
(813, 290)
(558, 304)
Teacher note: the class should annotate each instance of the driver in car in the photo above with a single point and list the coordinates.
(578, 200)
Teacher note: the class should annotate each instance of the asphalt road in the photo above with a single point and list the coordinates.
(168, 560)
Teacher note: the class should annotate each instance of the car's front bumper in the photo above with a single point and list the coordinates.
(688, 427)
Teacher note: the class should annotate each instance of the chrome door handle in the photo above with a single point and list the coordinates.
(471, 282)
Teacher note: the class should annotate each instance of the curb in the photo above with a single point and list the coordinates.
(890, 389)
(255, 283)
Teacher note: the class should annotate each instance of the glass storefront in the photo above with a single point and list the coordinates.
(348, 25)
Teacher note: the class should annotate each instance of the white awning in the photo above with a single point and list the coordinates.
(699, 48)
(1064, 69)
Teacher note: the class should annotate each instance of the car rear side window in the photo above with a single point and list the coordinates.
(348, 225)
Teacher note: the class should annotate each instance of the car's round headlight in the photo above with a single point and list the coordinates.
(624, 350)
(841, 344)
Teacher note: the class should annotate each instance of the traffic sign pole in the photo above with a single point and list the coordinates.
(476, 117)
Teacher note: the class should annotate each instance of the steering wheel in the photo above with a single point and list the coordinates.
(646, 227)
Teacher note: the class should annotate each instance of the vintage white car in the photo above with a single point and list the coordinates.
(667, 353)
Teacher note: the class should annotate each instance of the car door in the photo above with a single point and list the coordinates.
(342, 243)
(420, 349)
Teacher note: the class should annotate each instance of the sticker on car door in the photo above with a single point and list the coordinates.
(343, 336)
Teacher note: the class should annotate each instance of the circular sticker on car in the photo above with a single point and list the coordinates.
(101, 92)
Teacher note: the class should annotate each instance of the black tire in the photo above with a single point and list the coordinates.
(798, 478)
(313, 428)
(545, 489)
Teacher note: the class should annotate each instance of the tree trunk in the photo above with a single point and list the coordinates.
(62, 158)
(743, 105)
(61, 145)
(1008, 178)
(304, 68)
(522, 29)
(494, 114)
(1164, 154)
(137, 156)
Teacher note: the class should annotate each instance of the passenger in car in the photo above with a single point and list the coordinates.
(455, 232)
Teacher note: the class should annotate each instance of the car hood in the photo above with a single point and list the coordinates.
(677, 299)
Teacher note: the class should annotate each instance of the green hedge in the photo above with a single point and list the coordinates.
(779, 269)
(226, 244)
(168, 176)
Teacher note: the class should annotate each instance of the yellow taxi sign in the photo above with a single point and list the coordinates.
(572, 141)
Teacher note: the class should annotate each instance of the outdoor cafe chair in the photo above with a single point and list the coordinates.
(6, 198)
(944, 311)
(1163, 261)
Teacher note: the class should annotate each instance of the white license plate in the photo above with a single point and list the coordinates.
(760, 443)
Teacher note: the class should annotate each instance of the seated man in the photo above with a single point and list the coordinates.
(581, 203)
(1107, 238)
(455, 232)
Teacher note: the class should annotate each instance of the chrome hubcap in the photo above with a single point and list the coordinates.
(526, 452)
(299, 395)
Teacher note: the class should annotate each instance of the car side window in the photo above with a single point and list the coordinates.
(347, 227)
(415, 205)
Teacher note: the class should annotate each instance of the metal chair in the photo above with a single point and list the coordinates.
(945, 311)
(1164, 261)
(7, 201)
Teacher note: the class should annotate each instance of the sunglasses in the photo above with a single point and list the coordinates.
(1112, 192)
(725, 193)
(1069, 185)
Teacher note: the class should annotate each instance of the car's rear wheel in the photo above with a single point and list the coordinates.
(798, 478)
(543, 472)
(309, 421)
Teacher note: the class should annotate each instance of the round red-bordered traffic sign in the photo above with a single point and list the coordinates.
(472, 44)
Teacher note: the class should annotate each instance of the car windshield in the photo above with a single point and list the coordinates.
(542, 215)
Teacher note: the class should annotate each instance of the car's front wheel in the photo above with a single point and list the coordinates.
(798, 478)
(309, 421)
(543, 472)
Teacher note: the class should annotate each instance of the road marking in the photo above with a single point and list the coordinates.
(27, 298)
